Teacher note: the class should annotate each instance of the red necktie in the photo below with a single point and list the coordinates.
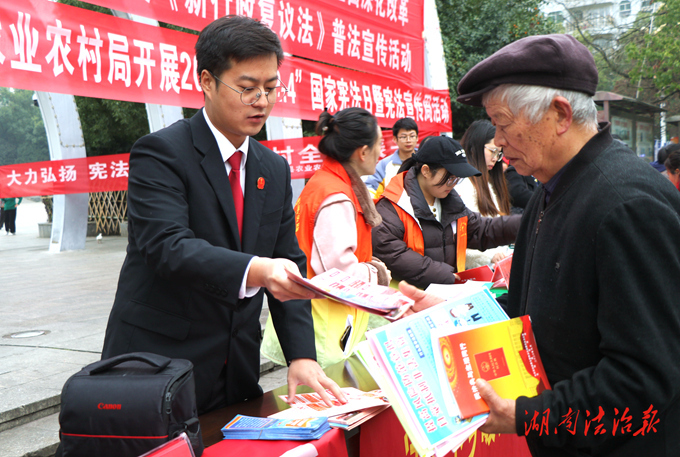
(236, 191)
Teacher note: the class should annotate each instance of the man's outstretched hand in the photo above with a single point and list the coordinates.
(422, 300)
(308, 372)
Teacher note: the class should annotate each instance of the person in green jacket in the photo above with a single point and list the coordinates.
(10, 214)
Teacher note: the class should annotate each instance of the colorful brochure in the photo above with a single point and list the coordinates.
(401, 359)
(352, 291)
(502, 353)
(311, 404)
(262, 428)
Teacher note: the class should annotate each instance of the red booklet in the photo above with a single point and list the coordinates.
(501, 274)
(503, 353)
(483, 273)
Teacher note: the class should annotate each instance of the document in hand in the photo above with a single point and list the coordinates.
(501, 274)
(262, 428)
(503, 353)
(401, 359)
(483, 273)
(349, 290)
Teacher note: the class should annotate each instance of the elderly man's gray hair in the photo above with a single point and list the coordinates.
(534, 101)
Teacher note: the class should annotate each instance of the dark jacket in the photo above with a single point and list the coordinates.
(520, 188)
(178, 289)
(597, 270)
(438, 264)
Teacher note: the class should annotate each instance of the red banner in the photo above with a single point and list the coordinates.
(109, 173)
(46, 46)
(374, 36)
(71, 176)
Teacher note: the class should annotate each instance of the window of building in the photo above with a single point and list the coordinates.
(556, 17)
(624, 8)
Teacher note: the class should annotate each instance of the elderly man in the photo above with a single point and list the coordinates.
(596, 262)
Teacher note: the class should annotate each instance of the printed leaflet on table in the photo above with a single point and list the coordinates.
(311, 404)
(401, 359)
(353, 419)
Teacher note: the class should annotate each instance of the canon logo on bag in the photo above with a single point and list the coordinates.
(108, 406)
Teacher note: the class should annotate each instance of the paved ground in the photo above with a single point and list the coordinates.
(53, 313)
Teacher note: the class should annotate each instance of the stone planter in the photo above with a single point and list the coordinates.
(45, 229)
(123, 229)
(91, 228)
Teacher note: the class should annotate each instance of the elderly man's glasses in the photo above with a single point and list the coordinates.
(412, 137)
(496, 153)
(250, 95)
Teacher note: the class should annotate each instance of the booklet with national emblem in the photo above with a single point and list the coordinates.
(503, 353)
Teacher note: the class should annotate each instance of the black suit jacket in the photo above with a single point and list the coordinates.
(178, 288)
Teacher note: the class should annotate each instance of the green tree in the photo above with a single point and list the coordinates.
(473, 30)
(656, 57)
(642, 62)
(111, 126)
(22, 133)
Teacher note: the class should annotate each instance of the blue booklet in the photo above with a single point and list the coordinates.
(265, 428)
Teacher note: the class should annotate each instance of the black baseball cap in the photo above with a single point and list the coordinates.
(447, 152)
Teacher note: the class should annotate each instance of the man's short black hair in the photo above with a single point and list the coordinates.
(405, 123)
(232, 39)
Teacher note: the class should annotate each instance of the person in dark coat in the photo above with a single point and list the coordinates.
(209, 236)
(420, 209)
(521, 188)
(596, 248)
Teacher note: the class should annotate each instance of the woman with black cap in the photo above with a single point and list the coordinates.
(426, 226)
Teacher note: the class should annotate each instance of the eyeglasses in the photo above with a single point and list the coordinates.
(250, 95)
(496, 153)
(452, 181)
(411, 137)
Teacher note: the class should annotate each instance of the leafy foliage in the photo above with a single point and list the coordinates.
(111, 126)
(657, 56)
(642, 62)
(473, 30)
(22, 133)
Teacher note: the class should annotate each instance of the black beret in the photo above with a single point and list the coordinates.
(557, 61)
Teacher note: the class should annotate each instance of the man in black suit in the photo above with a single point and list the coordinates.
(195, 274)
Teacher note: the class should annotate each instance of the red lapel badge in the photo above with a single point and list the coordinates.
(260, 183)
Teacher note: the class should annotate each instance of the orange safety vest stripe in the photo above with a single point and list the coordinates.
(413, 234)
(330, 179)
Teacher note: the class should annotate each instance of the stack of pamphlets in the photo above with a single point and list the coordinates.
(263, 428)
(352, 291)
(403, 358)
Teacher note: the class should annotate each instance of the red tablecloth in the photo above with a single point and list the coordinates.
(384, 435)
(332, 444)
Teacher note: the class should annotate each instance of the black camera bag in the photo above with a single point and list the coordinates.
(127, 405)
